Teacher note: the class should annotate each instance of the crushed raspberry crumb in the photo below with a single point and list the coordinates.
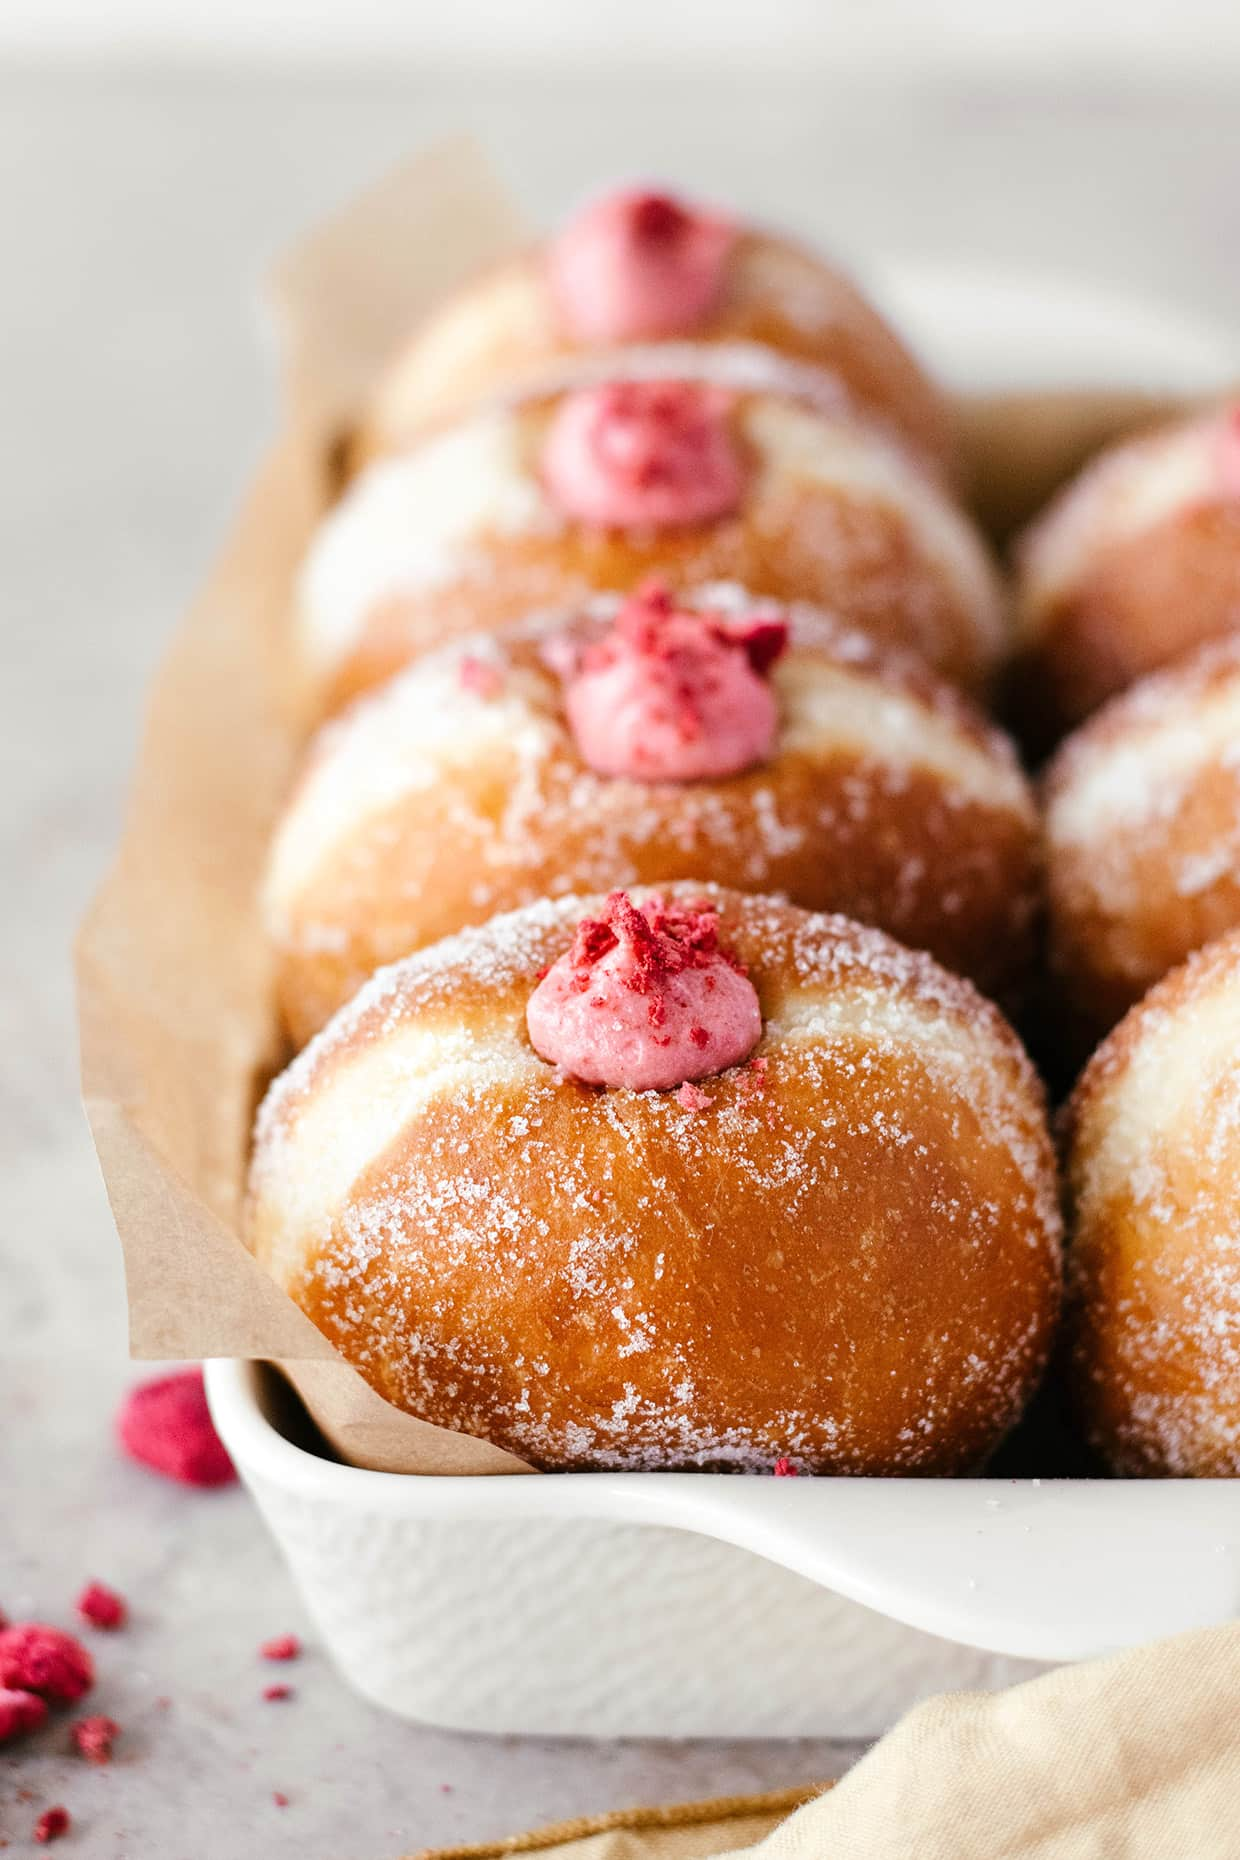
(480, 676)
(699, 1036)
(762, 640)
(165, 1423)
(94, 1737)
(20, 1712)
(279, 1798)
(273, 1693)
(784, 1469)
(658, 218)
(38, 1658)
(52, 1823)
(663, 940)
(283, 1647)
(101, 1606)
(693, 1098)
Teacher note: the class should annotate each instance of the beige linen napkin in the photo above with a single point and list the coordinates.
(1136, 1757)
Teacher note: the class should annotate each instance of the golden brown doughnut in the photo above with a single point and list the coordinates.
(848, 1255)
(1153, 1157)
(1143, 833)
(461, 534)
(777, 302)
(458, 791)
(1133, 564)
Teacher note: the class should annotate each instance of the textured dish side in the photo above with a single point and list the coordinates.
(570, 1628)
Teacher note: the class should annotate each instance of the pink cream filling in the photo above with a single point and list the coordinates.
(672, 695)
(636, 453)
(1227, 454)
(636, 266)
(645, 1000)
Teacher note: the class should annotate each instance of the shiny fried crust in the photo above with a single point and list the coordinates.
(458, 535)
(1136, 563)
(1153, 1155)
(458, 792)
(1143, 834)
(850, 1257)
(500, 332)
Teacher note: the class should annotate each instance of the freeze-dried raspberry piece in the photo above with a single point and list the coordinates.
(38, 1658)
(101, 1606)
(166, 1424)
(52, 1823)
(20, 1712)
(94, 1738)
(283, 1647)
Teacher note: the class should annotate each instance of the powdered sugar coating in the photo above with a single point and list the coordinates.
(460, 533)
(1153, 1150)
(1128, 488)
(459, 791)
(1135, 564)
(614, 1279)
(1143, 831)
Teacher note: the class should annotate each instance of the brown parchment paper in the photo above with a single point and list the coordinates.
(178, 1034)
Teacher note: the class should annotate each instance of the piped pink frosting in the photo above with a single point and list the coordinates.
(673, 695)
(1227, 454)
(638, 265)
(635, 453)
(645, 999)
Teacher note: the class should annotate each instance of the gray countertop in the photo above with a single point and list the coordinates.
(137, 213)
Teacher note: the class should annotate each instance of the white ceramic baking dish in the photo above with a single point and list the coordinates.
(679, 1605)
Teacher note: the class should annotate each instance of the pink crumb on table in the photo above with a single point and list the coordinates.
(101, 1606)
(94, 1737)
(275, 1693)
(37, 1658)
(166, 1425)
(279, 1798)
(784, 1469)
(20, 1712)
(282, 1647)
(52, 1823)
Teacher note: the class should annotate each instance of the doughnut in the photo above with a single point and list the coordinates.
(1143, 833)
(1152, 1326)
(538, 504)
(836, 1240)
(1135, 562)
(643, 272)
(633, 742)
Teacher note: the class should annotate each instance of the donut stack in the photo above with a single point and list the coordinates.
(648, 902)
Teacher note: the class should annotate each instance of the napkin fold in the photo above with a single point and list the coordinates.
(1136, 1757)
